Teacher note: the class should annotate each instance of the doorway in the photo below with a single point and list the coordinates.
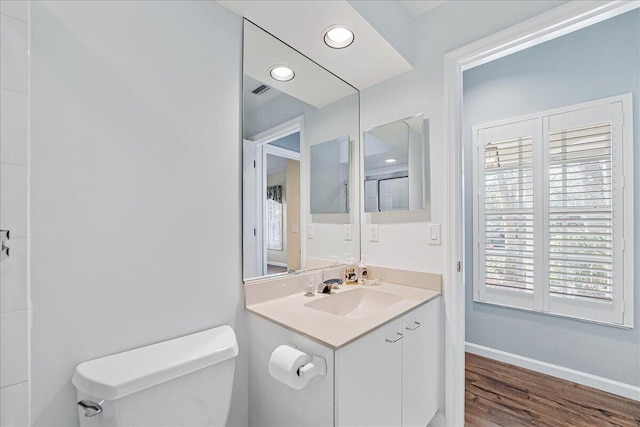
(555, 23)
(271, 201)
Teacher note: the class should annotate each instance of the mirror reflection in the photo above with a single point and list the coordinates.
(329, 168)
(300, 131)
(396, 166)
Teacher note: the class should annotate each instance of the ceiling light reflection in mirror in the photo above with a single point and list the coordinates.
(281, 73)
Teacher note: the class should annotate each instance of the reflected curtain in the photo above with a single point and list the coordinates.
(275, 193)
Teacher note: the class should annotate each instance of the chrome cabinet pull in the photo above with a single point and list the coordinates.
(392, 340)
(416, 325)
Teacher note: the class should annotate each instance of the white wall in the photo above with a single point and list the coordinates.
(403, 236)
(14, 172)
(392, 21)
(135, 185)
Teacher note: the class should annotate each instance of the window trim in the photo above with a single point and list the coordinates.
(620, 313)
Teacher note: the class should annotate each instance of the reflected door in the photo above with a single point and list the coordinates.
(251, 249)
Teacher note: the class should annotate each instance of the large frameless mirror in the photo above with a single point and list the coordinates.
(300, 139)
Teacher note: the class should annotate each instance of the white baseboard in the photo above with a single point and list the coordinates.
(614, 387)
(277, 264)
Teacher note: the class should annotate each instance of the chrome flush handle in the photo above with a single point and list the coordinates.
(91, 408)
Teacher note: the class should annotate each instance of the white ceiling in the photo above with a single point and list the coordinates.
(312, 84)
(419, 7)
(300, 24)
(253, 101)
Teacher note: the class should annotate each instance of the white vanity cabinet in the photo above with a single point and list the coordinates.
(369, 379)
(421, 364)
(390, 376)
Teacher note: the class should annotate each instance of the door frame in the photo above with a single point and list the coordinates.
(262, 139)
(554, 23)
(279, 152)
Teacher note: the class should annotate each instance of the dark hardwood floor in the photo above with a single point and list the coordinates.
(274, 269)
(498, 394)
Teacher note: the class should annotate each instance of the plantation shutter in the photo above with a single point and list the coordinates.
(583, 155)
(553, 212)
(506, 217)
(581, 212)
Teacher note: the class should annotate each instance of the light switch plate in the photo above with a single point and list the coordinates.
(295, 228)
(373, 233)
(434, 234)
(310, 231)
(347, 232)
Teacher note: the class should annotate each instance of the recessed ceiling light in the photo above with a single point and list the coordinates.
(338, 36)
(281, 73)
(391, 160)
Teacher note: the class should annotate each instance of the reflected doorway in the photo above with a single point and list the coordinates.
(271, 203)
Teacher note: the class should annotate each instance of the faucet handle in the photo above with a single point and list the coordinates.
(329, 284)
(325, 288)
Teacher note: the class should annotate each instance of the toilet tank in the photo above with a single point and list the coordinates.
(185, 381)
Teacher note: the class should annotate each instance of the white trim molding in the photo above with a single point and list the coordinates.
(279, 131)
(557, 22)
(610, 386)
(263, 148)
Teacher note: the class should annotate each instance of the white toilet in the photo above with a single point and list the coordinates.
(186, 381)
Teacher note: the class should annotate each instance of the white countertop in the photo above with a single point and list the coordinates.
(332, 330)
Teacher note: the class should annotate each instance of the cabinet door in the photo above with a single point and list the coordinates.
(369, 379)
(421, 364)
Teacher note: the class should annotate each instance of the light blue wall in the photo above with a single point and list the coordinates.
(596, 62)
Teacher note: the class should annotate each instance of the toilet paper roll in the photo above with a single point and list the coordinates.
(284, 364)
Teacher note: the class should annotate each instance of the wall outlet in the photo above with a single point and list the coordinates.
(373, 233)
(434, 234)
(347, 232)
(310, 231)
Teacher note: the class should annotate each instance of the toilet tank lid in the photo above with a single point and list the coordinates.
(122, 374)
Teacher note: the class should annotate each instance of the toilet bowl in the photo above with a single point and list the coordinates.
(185, 381)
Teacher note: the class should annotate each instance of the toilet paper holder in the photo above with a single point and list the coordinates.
(295, 368)
(317, 367)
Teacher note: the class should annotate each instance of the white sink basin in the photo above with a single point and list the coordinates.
(355, 304)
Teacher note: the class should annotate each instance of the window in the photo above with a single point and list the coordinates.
(274, 218)
(553, 206)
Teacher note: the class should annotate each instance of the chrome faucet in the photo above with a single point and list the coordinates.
(325, 287)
